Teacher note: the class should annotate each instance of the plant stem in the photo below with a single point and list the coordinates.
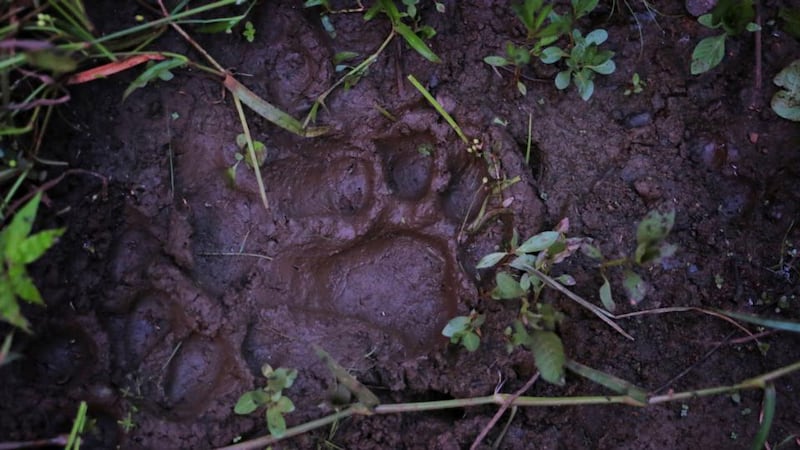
(252, 151)
(291, 432)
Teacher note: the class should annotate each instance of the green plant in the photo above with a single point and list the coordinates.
(74, 440)
(19, 248)
(465, 330)
(259, 149)
(637, 85)
(413, 34)
(270, 396)
(249, 31)
(786, 102)
(583, 60)
(544, 27)
(734, 17)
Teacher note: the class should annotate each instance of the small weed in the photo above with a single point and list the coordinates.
(249, 31)
(636, 86)
(127, 423)
(465, 330)
(18, 248)
(583, 61)
(74, 440)
(243, 155)
(270, 396)
(734, 17)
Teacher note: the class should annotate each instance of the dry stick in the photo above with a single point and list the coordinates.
(502, 410)
(252, 255)
(189, 39)
(687, 309)
(757, 84)
(605, 317)
(58, 441)
(52, 183)
(758, 382)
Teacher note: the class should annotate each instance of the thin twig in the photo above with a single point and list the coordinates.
(693, 365)
(754, 101)
(502, 411)
(253, 255)
(191, 41)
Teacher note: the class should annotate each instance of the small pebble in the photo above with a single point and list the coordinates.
(638, 120)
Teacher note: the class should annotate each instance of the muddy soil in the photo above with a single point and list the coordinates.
(173, 287)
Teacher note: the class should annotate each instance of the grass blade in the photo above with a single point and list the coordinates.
(637, 394)
(767, 414)
(769, 323)
(416, 42)
(270, 112)
(438, 107)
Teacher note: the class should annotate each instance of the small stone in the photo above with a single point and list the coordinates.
(638, 120)
(647, 189)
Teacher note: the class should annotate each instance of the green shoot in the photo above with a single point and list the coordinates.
(270, 397)
(734, 17)
(438, 107)
(465, 330)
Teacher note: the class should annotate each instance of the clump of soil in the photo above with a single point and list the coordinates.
(166, 296)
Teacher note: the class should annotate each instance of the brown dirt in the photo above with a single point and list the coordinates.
(363, 233)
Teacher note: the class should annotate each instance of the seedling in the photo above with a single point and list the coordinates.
(733, 16)
(651, 249)
(18, 248)
(465, 330)
(583, 61)
(243, 155)
(249, 31)
(271, 397)
(637, 85)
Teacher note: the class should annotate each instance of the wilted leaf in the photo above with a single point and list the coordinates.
(605, 296)
(507, 287)
(548, 353)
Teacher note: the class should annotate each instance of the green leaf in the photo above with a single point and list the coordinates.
(284, 405)
(583, 7)
(610, 381)
(552, 55)
(591, 251)
(456, 326)
(606, 68)
(490, 260)
(522, 88)
(563, 79)
(769, 323)
(416, 42)
(596, 37)
(507, 287)
(605, 296)
(655, 227)
(51, 60)
(634, 286)
(275, 422)
(566, 280)
(539, 242)
(9, 308)
(786, 102)
(33, 247)
(768, 414)
(496, 61)
(312, 3)
(548, 353)
(585, 87)
(752, 27)
(153, 72)
(250, 401)
(708, 54)
(707, 21)
(22, 285)
(344, 56)
(20, 226)
(471, 341)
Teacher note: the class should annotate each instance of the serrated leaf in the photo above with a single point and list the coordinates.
(22, 285)
(605, 296)
(20, 225)
(708, 54)
(9, 308)
(490, 260)
(548, 354)
(507, 287)
(634, 286)
(34, 246)
(275, 422)
(471, 341)
(539, 242)
(655, 227)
